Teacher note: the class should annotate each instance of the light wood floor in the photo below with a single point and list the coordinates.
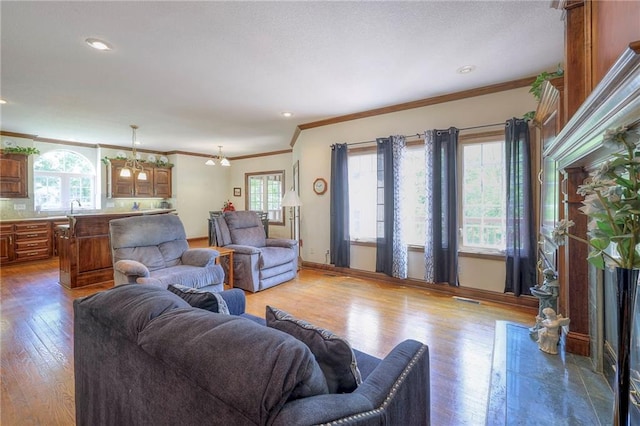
(37, 337)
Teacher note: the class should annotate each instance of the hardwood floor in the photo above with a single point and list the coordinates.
(37, 336)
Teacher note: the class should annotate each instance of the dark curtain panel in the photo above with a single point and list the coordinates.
(385, 212)
(441, 244)
(520, 237)
(339, 208)
(391, 250)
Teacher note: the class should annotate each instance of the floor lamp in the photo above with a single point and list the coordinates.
(292, 201)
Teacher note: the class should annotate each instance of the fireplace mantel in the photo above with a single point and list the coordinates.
(614, 102)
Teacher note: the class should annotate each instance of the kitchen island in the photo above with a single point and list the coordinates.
(84, 249)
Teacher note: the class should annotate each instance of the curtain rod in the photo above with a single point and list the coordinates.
(482, 126)
(415, 135)
(419, 135)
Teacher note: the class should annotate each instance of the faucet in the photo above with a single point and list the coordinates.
(75, 201)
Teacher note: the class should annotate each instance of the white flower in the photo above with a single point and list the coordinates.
(613, 194)
(592, 205)
(561, 231)
(601, 173)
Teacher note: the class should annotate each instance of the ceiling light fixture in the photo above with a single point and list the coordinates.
(221, 159)
(98, 44)
(466, 69)
(132, 166)
(2, 102)
(287, 114)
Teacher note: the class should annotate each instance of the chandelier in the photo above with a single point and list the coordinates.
(220, 159)
(132, 166)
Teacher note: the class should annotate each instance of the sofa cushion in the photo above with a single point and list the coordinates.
(200, 299)
(333, 353)
(149, 256)
(172, 251)
(246, 228)
(191, 276)
(252, 368)
(275, 256)
(222, 232)
(128, 308)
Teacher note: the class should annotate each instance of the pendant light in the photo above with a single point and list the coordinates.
(221, 159)
(132, 166)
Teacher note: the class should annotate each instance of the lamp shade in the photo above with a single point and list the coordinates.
(291, 199)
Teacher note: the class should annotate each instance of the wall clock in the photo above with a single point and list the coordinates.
(319, 186)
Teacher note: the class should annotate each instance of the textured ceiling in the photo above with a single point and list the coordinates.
(195, 75)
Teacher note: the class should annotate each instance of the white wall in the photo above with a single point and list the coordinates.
(312, 149)
(198, 189)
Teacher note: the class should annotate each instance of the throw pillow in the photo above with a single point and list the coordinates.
(200, 299)
(333, 353)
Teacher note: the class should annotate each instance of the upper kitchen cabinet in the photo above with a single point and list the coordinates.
(157, 184)
(13, 175)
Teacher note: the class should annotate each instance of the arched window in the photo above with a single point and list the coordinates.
(61, 177)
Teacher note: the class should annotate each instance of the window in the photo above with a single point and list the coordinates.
(264, 193)
(61, 177)
(482, 195)
(362, 164)
(363, 195)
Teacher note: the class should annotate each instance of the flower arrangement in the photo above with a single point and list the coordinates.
(611, 200)
(228, 207)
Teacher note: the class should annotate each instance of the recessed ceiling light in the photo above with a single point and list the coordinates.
(287, 114)
(2, 102)
(98, 44)
(466, 69)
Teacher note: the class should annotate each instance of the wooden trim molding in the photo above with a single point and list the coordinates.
(479, 91)
(17, 135)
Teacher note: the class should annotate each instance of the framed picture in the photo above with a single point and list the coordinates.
(237, 192)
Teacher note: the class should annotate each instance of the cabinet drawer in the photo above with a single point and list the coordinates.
(22, 227)
(6, 229)
(30, 235)
(32, 254)
(31, 244)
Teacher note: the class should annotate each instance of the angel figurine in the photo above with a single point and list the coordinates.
(549, 334)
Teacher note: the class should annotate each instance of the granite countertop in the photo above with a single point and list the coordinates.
(88, 214)
(35, 218)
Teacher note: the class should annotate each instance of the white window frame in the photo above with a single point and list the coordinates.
(65, 184)
(276, 214)
(466, 140)
(405, 196)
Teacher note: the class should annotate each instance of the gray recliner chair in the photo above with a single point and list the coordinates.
(258, 262)
(153, 249)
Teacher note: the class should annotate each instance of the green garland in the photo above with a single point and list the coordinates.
(158, 163)
(21, 150)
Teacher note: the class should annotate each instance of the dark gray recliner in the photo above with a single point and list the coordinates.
(153, 249)
(259, 262)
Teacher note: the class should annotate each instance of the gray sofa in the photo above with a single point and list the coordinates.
(258, 262)
(144, 356)
(154, 250)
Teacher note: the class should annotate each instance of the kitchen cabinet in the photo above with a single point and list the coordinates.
(13, 175)
(84, 249)
(158, 183)
(25, 240)
(162, 182)
(6, 243)
(32, 240)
